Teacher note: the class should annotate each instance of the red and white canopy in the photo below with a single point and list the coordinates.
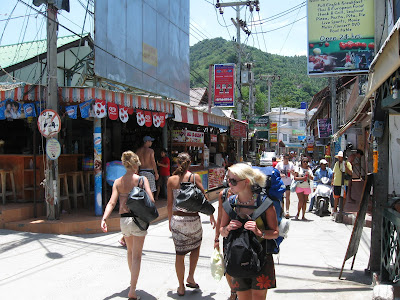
(189, 115)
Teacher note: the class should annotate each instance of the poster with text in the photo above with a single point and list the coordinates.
(224, 85)
(340, 36)
(324, 128)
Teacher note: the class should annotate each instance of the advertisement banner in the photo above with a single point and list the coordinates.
(340, 36)
(273, 138)
(213, 138)
(215, 177)
(324, 128)
(224, 85)
(187, 136)
(296, 132)
(238, 129)
(273, 128)
(259, 123)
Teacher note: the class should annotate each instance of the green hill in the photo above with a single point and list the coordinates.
(293, 87)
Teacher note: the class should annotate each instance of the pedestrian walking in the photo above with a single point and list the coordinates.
(303, 175)
(286, 168)
(133, 235)
(341, 170)
(242, 178)
(164, 172)
(184, 225)
(222, 197)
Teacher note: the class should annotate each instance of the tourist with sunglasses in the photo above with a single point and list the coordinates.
(286, 168)
(242, 178)
(303, 175)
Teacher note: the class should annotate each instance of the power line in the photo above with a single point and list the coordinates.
(18, 17)
(5, 26)
(282, 26)
(287, 36)
(281, 14)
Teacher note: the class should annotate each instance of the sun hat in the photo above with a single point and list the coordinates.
(323, 161)
(340, 154)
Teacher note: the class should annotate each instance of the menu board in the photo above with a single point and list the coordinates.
(215, 177)
(340, 36)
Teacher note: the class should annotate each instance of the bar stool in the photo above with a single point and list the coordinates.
(64, 193)
(4, 192)
(89, 179)
(75, 192)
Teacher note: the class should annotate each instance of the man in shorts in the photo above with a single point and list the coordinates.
(148, 167)
(286, 168)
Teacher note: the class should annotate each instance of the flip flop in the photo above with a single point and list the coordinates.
(122, 243)
(192, 285)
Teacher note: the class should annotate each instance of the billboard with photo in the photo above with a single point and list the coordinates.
(340, 36)
(144, 44)
(324, 128)
(224, 85)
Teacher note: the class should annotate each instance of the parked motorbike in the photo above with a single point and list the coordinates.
(322, 196)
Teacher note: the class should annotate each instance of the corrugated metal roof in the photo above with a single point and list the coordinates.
(13, 54)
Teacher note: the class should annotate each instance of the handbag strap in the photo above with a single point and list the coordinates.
(140, 182)
(194, 178)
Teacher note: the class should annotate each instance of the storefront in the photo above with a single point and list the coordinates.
(202, 136)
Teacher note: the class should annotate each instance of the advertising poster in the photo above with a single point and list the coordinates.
(238, 129)
(273, 138)
(204, 179)
(215, 177)
(224, 85)
(340, 36)
(324, 128)
(273, 128)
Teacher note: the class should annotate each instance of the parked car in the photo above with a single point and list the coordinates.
(266, 159)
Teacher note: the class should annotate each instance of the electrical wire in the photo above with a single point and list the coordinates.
(290, 30)
(281, 14)
(207, 34)
(13, 18)
(265, 44)
(282, 26)
(5, 26)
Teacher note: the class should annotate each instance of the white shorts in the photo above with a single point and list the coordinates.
(129, 228)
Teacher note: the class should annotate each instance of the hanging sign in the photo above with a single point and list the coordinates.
(112, 111)
(162, 119)
(29, 110)
(148, 118)
(156, 120)
(49, 123)
(273, 128)
(100, 108)
(53, 149)
(213, 138)
(324, 128)
(72, 111)
(123, 114)
(224, 85)
(140, 117)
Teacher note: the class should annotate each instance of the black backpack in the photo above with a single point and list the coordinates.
(244, 255)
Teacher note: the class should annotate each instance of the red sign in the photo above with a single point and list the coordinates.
(224, 85)
(214, 138)
(238, 129)
(148, 118)
(112, 111)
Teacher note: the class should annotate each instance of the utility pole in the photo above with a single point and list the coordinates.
(269, 78)
(239, 24)
(277, 133)
(52, 103)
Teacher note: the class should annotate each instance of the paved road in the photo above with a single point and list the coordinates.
(46, 266)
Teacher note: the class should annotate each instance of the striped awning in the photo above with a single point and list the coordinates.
(78, 94)
(189, 115)
(218, 121)
(26, 92)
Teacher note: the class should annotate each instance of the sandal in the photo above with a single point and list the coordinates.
(233, 296)
(192, 285)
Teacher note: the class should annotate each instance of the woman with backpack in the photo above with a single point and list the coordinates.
(242, 180)
(133, 235)
(185, 226)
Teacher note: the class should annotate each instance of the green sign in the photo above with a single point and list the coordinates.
(259, 123)
(262, 135)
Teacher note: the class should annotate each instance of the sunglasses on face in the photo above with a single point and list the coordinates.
(234, 182)
(305, 161)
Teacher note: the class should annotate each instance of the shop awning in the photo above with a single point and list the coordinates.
(189, 115)
(386, 62)
(78, 94)
(25, 92)
(218, 121)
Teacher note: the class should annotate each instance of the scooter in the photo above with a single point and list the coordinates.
(322, 196)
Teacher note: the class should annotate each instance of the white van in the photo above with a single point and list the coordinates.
(266, 159)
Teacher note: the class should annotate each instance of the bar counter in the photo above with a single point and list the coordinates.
(22, 166)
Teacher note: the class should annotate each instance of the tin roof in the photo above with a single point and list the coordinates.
(14, 54)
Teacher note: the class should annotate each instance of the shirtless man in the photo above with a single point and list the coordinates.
(148, 166)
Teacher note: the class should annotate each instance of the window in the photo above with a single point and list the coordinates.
(302, 123)
(284, 138)
(290, 122)
(284, 121)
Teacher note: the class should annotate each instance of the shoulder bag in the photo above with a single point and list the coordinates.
(191, 198)
(141, 206)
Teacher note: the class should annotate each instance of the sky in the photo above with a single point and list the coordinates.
(279, 27)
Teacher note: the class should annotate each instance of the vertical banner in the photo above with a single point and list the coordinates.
(324, 128)
(340, 36)
(224, 85)
(98, 178)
